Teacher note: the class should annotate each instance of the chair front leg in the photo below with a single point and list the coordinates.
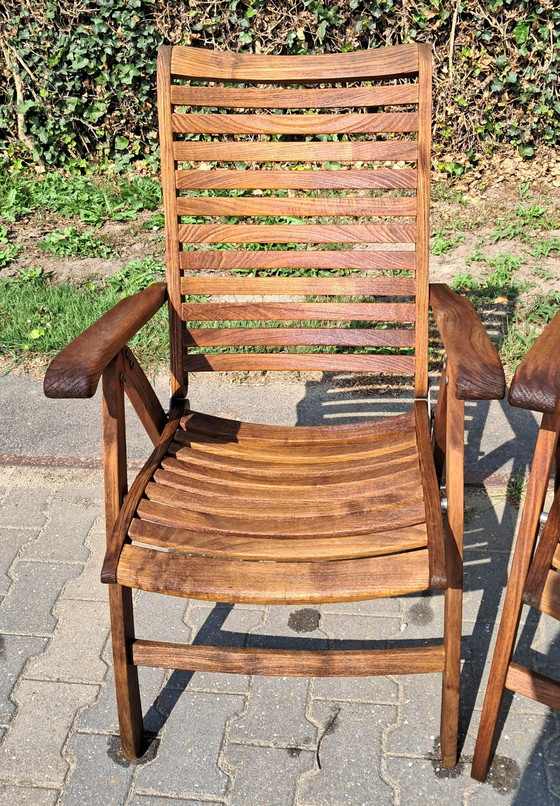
(120, 598)
(440, 424)
(452, 426)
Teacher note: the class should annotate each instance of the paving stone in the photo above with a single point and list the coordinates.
(27, 796)
(390, 607)
(74, 653)
(88, 586)
(31, 751)
(26, 506)
(101, 716)
(363, 689)
(64, 535)
(485, 577)
(14, 653)
(95, 777)
(266, 775)
(186, 764)
(151, 800)
(276, 713)
(418, 728)
(11, 541)
(36, 587)
(358, 632)
(161, 618)
(85, 494)
(422, 782)
(423, 617)
(290, 627)
(350, 756)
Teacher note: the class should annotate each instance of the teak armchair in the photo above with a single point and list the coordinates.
(239, 512)
(534, 577)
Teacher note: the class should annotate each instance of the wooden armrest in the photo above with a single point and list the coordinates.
(472, 357)
(536, 384)
(76, 370)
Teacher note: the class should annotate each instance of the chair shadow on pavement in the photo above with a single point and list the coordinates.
(495, 452)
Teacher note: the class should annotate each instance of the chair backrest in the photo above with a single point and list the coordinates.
(330, 137)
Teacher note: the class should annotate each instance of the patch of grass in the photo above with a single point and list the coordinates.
(69, 241)
(446, 239)
(94, 201)
(544, 247)
(515, 489)
(39, 316)
(543, 274)
(8, 251)
(525, 326)
(523, 224)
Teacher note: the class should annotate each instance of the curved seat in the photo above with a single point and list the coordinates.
(240, 512)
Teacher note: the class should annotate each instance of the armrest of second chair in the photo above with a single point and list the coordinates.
(471, 356)
(75, 371)
(536, 383)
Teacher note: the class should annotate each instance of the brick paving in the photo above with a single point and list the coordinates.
(237, 740)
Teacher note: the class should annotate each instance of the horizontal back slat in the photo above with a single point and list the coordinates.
(296, 152)
(287, 336)
(298, 259)
(280, 206)
(295, 124)
(366, 286)
(249, 98)
(297, 233)
(292, 311)
(344, 362)
(212, 65)
(382, 178)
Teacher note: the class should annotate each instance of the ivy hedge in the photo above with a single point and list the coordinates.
(78, 77)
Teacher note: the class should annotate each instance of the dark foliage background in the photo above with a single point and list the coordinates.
(77, 79)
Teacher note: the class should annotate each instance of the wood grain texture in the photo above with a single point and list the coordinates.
(471, 356)
(233, 581)
(295, 124)
(191, 151)
(336, 98)
(291, 311)
(536, 383)
(223, 260)
(284, 336)
(278, 549)
(297, 233)
(76, 370)
(380, 178)
(245, 362)
(550, 595)
(289, 663)
(212, 65)
(280, 206)
(533, 685)
(434, 523)
(345, 286)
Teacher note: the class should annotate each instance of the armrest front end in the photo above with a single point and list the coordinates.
(536, 383)
(76, 370)
(472, 357)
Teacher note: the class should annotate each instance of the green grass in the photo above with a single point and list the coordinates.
(93, 200)
(69, 241)
(39, 317)
(523, 224)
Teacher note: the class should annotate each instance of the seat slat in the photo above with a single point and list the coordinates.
(297, 259)
(271, 206)
(197, 123)
(191, 151)
(213, 65)
(326, 548)
(550, 597)
(286, 336)
(291, 311)
(381, 178)
(365, 286)
(297, 233)
(279, 583)
(246, 362)
(335, 98)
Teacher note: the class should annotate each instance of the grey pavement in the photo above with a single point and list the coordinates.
(238, 740)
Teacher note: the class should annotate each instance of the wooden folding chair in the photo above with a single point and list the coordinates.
(239, 512)
(534, 577)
